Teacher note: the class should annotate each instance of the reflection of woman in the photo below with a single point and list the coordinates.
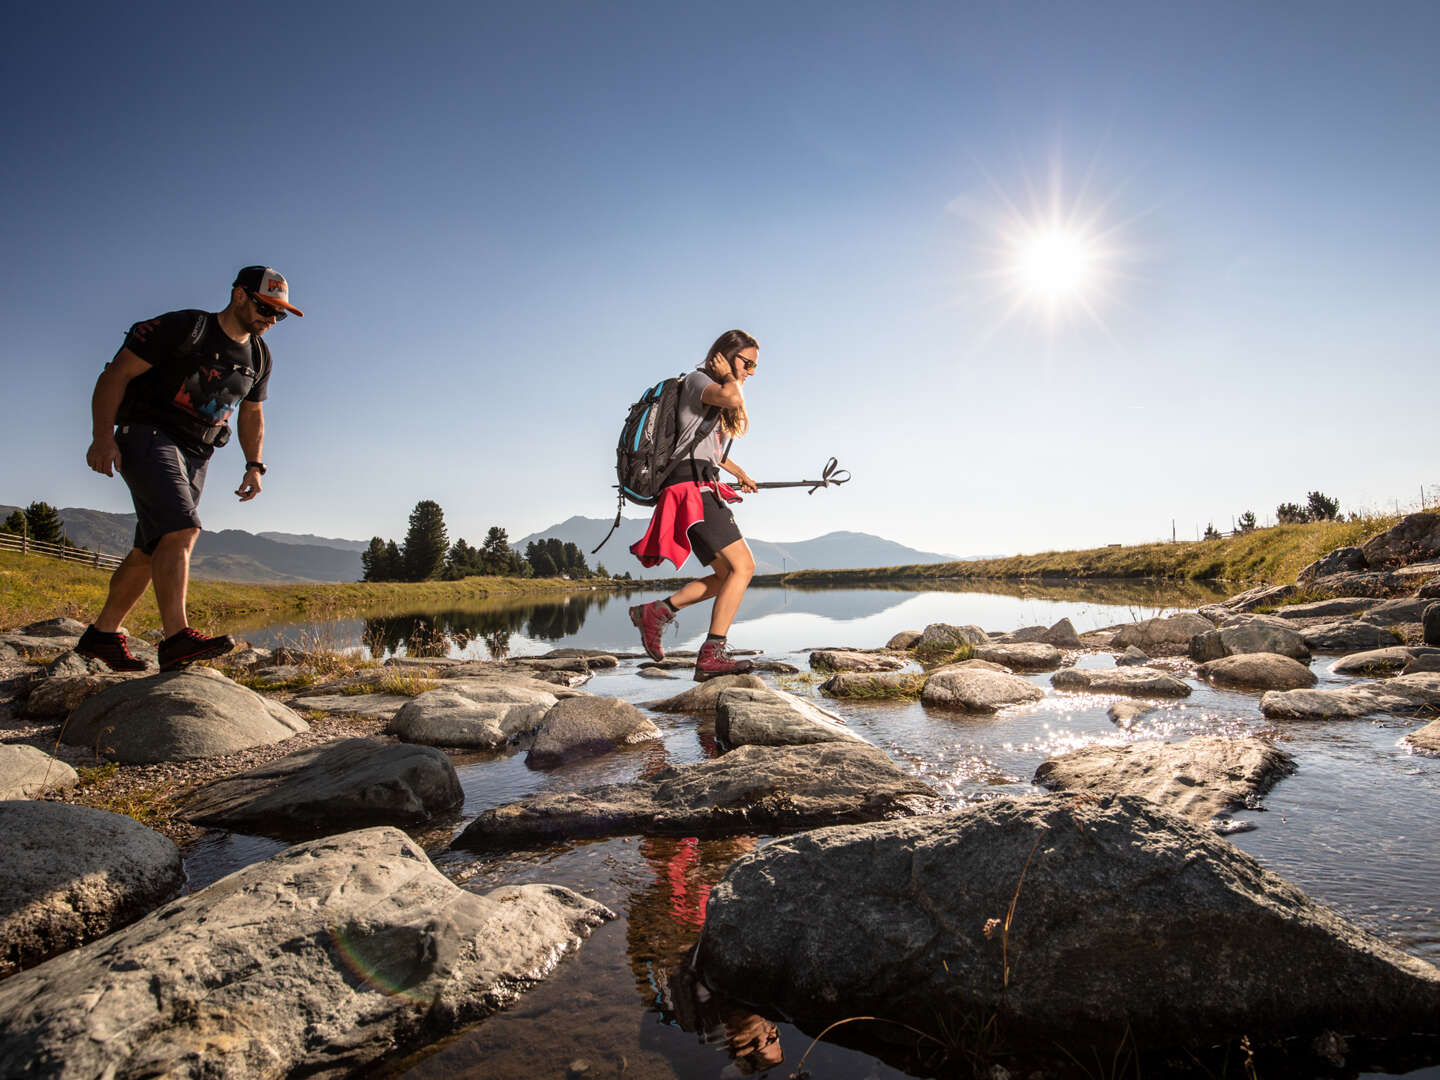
(691, 512)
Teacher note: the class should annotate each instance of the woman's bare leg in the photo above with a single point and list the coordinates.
(702, 589)
(740, 565)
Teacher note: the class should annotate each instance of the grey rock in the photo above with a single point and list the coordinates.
(1260, 596)
(1347, 636)
(942, 638)
(670, 663)
(489, 673)
(1408, 609)
(1023, 635)
(1375, 662)
(575, 665)
(1196, 778)
(1022, 656)
(1430, 590)
(752, 789)
(1425, 662)
(850, 660)
(1130, 681)
(332, 787)
(775, 667)
(73, 874)
(72, 663)
(1431, 624)
(365, 706)
(587, 727)
(1372, 583)
(1341, 560)
(1327, 609)
(61, 695)
(28, 646)
(178, 716)
(1250, 637)
(976, 686)
(700, 700)
(1415, 539)
(1426, 740)
(654, 672)
(561, 677)
(905, 639)
(1216, 613)
(1121, 904)
(317, 962)
(1257, 671)
(883, 684)
(63, 628)
(1404, 695)
(1125, 713)
(7, 651)
(747, 717)
(595, 659)
(27, 772)
(447, 718)
(1063, 636)
(1133, 657)
(247, 657)
(1150, 634)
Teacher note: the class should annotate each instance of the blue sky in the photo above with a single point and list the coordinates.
(503, 221)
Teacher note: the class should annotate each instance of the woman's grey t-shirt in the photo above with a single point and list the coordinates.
(709, 451)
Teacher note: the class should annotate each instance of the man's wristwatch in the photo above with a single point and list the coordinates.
(258, 466)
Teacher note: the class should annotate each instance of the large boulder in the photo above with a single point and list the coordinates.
(1431, 624)
(768, 717)
(1250, 637)
(58, 628)
(1426, 740)
(445, 718)
(942, 639)
(1129, 681)
(73, 874)
(1079, 920)
(1133, 657)
(1404, 695)
(1197, 778)
(332, 787)
(1341, 560)
(27, 772)
(1377, 662)
(905, 639)
(1376, 584)
(977, 686)
(1347, 636)
(1020, 656)
(701, 700)
(1153, 634)
(1257, 671)
(1415, 539)
(583, 727)
(1063, 636)
(318, 962)
(1404, 609)
(853, 660)
(178, 716)
(752, 789)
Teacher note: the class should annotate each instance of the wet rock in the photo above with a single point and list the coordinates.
(73, 874)
(1151, 634)
(1375, 662)
(1257, 671)
(849, 660)
(775, 667)
(27, 772)
(1341, 560)
(1347, 636)
(1404, 695)
(1132, 657)
(1125, 713)
(1335, 607)
(597, 658)
(319, 961)
(976, 688)
(1121, 904)
(588, 727)
(574, 665)
(448, 718)
(701, 699)
(905, 639)
(940, 639)
(178, 716)
(1415, 538)
(62, 694)
(1427, 739)
(1025, 656)
(1130, 681)
(1063, 636)
(884, 684)
(653, 672)
(774, 718)
(752, 789)
(670, 663)
(1250, 637)
(1196, 778)
(335, 786)
(562, 678)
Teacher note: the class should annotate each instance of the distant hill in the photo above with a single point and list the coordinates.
(833, 551)
(310, 539)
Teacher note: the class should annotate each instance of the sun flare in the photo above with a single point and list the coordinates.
(1055, 262)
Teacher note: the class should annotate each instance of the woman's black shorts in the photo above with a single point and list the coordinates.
(716, 532)
(165, 483)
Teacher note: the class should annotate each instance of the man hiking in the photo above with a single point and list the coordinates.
(170, 389)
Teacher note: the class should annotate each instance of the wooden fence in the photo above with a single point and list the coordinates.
(26, 546)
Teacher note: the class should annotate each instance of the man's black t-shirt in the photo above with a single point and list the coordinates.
(187, 391)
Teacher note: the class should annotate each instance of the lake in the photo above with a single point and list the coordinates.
(1354, 827)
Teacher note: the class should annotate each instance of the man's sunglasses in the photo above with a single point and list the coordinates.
(267, 311)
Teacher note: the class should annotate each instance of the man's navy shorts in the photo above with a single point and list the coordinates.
(165, 483)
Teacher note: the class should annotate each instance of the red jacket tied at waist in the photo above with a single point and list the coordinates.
(680, 506)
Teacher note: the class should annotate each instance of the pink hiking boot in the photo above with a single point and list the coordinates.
(715, 659)
(650, 620)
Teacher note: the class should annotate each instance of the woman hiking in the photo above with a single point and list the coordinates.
(691, 512)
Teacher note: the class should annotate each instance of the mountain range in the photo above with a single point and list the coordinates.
(280, 557)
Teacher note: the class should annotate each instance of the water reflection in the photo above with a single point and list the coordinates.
(445, 633)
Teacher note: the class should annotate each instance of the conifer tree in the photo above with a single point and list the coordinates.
(426, 543)
(44, 523)
(15, 523)
(394, 562)
(374, 562)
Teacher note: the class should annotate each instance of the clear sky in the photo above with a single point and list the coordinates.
(1042, 275)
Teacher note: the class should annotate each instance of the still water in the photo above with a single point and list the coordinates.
(1354, 827)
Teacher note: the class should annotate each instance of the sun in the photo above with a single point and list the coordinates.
(1056, 262)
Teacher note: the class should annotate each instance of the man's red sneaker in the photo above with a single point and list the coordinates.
(715, 659)
(110, 649)
(188, 646)
(650, 620)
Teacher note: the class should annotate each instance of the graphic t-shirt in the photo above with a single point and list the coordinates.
(710, 450)
(187, 391)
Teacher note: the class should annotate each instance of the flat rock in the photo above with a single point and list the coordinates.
(977, 686)
(1375, 662)
(594, 658)
(851, 660)
(487, 671)
(178, 716)
(1347, 636)
(1404, 695)
(882, 684)
(752, 789)
(29, 646)
(670, 663)
(1257, 671)
(1254, 636)
(1150, 634)
(1431, 624)
(905, 639)
(1372, 583)
(447, 718)
(1427, 661)
(1129, 681)
(701, 699)
(61, 695)
(655, 673)
(368, 706)
(1405, 609)
(335, 786)
(1415, 538)
(1020, 656)
(1116, 904)
(73, 874)
(317, 962)
(64, 628)
(1125, 713)
(1020, 636)
(27, 772)
(1427, 739)
(1197, 778)
(1335, 607)
(587, 727)
(1260, 596)
(72, 663)
(748, 717)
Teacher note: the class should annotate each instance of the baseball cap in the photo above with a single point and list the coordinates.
(269, 284)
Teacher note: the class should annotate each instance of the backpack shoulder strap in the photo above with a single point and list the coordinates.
(192, 342)
(260, 354)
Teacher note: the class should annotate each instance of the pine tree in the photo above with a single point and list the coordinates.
(373, 561)
(44, 523)
(426, 543)
(574, 561)
(1321, 507)
(495, 551)
(15, 524)
(394, 569)
(1247, 521)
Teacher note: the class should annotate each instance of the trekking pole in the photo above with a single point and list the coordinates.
(830, 476)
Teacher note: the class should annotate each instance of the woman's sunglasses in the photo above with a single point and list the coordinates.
(267, 311)
(750, 365)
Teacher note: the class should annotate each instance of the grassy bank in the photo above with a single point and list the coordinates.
(1274, 555)
(34, 587)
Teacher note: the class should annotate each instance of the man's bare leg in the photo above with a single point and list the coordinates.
(170, 572)
(127, 585)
